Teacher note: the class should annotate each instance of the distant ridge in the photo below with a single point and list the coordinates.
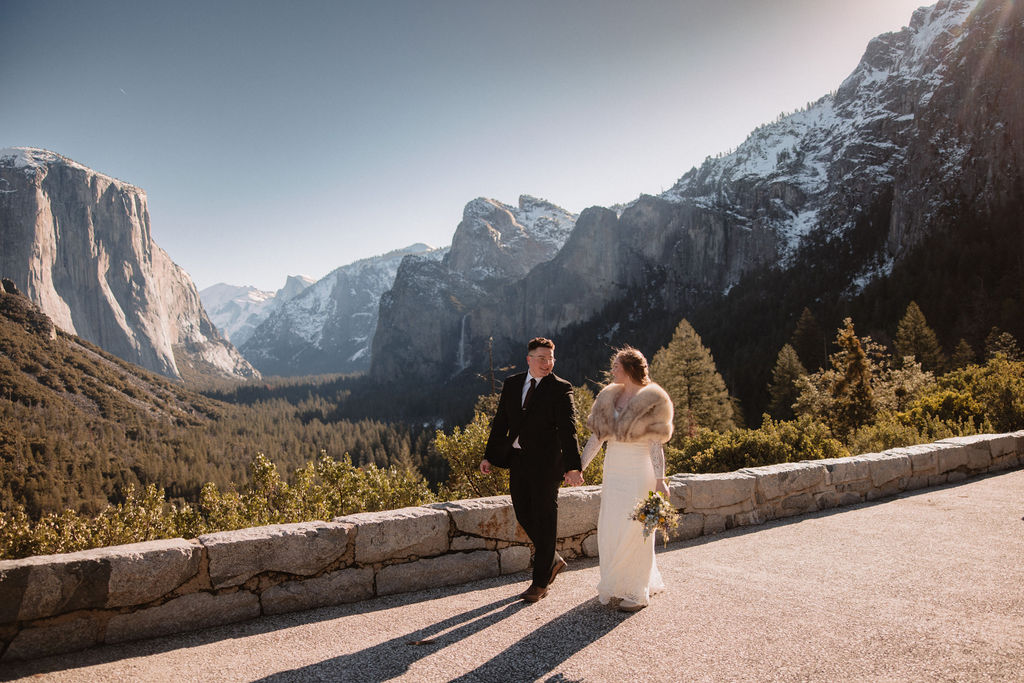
(329, 325)
(238, 311)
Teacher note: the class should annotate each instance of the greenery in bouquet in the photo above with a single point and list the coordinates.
(655, 514)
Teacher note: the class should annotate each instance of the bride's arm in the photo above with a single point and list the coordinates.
(657, 452)
(657, 459)
(589, 451)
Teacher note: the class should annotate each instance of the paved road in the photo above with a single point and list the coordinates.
(924, 587)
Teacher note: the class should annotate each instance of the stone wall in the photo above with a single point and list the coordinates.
(58, 603)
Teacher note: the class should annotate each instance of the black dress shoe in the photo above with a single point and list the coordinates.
(534, 593)
(558, 565)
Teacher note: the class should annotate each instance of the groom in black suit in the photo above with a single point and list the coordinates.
(534, 435)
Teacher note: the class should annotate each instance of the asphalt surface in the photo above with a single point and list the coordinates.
(928, 586)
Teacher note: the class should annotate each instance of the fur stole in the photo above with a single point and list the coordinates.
(647, 417)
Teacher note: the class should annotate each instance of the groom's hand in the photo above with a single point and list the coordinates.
(574, 478)
(485, 466)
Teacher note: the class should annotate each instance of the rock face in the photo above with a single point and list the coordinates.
(78, 244)
(932, 114)
(497, 242)
(238, 311)
(429, 320)
(329, 326)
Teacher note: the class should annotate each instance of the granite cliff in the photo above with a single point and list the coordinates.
(430, 319)
(78, 244)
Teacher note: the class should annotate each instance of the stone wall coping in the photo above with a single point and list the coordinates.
(115, 576)
(127, 549)
(490, 517)
(777, 481)
(58, 603)
(406, 533)
(719, 490)
(303, 548)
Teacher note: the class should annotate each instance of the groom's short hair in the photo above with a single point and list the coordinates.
(540, 342)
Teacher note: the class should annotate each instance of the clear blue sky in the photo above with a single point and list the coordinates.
(277, 138)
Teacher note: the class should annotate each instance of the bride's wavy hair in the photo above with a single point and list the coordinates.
(634, 363)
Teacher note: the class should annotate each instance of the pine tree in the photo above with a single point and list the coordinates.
(854, 400)
(1002, 342)
(783, 389)
(809, 341)
(686, 370)
(915, 338)
(963, 355)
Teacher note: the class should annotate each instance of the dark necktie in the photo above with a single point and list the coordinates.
(529, 392)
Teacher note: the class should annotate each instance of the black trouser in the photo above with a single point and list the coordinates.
(534, 484)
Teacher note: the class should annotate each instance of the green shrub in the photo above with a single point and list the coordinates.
(775, 442)
(901, 429)
(323, 489)
(993, 391)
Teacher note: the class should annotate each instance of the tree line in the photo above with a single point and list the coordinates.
(862, 397)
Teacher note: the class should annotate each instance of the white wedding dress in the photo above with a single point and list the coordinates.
(628, 568)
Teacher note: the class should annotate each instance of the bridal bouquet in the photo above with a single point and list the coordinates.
(655, 513)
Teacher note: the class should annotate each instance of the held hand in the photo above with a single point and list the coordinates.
(662, 488)
(574, 478)
(485, 466)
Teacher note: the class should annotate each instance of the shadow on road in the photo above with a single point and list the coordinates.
(533, 657)
(540, 653)
(394, 657)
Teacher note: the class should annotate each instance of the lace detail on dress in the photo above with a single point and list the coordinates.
(589, 451)
(657, 453)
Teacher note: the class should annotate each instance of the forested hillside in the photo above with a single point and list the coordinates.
(78, 426)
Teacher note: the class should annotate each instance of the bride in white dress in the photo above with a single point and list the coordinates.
(634, 416)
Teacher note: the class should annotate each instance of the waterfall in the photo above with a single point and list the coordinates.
(461, 361)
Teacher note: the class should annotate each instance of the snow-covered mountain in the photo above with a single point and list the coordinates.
(328, 326)
(926, 133)
(800, 173)
(238, 310)
(78, 244)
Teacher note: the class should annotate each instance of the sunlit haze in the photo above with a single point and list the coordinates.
(278, 138)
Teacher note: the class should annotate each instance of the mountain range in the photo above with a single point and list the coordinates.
(328, 326)
(238, 310)
(906, 182)
(924, 138)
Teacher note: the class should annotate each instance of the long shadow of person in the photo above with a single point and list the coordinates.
(528, 659)
(394, 657)
(539, 653)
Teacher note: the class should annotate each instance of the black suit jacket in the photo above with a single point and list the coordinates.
(546, 428)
